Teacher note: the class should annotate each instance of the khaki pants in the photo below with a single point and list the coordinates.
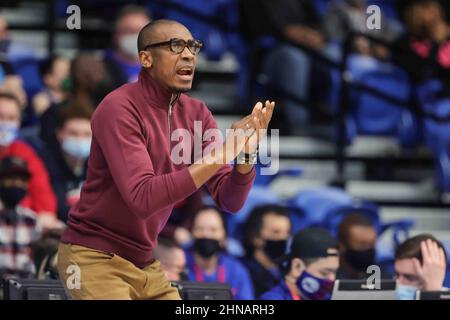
(91, 274)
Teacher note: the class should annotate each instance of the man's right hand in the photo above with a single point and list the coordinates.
(432, 270)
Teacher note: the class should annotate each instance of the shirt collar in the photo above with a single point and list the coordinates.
(154, 92)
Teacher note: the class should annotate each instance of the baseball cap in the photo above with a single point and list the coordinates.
(313, 243)
(14, 166)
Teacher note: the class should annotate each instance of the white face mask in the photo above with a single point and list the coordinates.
(405, 292)
(128, 44)
(8, 133)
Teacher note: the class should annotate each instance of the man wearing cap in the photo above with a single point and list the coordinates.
(310, 268)
(17, 224)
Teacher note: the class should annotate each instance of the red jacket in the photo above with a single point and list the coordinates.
(132, 183)
(40, 195)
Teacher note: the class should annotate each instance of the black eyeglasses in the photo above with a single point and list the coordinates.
(178, 45)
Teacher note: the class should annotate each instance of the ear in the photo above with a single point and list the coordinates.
(146, 59)
(297, 267)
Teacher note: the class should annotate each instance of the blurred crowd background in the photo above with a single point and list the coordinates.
(363, 117)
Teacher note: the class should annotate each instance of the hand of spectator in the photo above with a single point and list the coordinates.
(263, 117)
(432, 270)
(41, 103)
(47, 221)
(306, 36)
(182, 235)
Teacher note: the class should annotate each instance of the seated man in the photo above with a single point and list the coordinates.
(357, 238)
(172, 259)
(207, 260)
(420, 264)
(310, 270)
(54, 72)
(266, 232)
(17, 224)
(67, 162)
(39, 197)
(122, 62)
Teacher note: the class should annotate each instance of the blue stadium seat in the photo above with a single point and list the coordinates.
(437, 134)
(28, 70)
(373, 115)
(266, 180)
(316, 203)
(258, 196)
(214, 39)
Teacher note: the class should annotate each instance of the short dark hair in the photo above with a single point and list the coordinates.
(411, 248)
(168, 244)
(254, 223)
(146, 34)
(73, 111)
(214, 208)
(132, 9)
(47, 65)
(351, 220)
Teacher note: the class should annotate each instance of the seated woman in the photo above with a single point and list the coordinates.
(207, 260)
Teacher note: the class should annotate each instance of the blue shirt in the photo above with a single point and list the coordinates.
(229, 271)
(129, 70)
(279, 292)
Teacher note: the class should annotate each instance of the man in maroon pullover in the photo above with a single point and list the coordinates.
(133, 181)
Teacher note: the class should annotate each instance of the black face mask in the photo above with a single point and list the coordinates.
(275, 248)
(11, 196)
(206, 248)
(360, 259)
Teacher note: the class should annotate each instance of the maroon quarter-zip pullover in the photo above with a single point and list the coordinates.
(132, 183)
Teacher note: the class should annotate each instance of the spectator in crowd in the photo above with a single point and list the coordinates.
(357, 238)
(54, 72)
(207, 260)
(288, 68)
(67, 162)
(429, 32)
(11, 49)
(427, 37)
(172, 259)
(346, 16)
(89, 86)
(310, 269)
(40, 197)
(265, 236)
(122, 62)
(45, 254)
(420, 264)
(17, 224)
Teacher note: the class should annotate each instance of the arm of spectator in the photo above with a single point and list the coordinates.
(432, 270)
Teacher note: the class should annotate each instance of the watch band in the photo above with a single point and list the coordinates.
(247, 158)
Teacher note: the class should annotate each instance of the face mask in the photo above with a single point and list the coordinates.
(11, 196)
(128, 44)
(76, 147)
(405, 292)
(313, 288)
(206, 247)
(275, 248)
(8, 133)
(360, 259)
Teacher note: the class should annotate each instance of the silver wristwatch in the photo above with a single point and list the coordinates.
(247, 158)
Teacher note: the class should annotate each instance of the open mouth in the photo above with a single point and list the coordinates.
(185, 72)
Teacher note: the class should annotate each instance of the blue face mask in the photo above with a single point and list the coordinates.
(8, 133)
(313, 288)
(76, 147)
(405, 292)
